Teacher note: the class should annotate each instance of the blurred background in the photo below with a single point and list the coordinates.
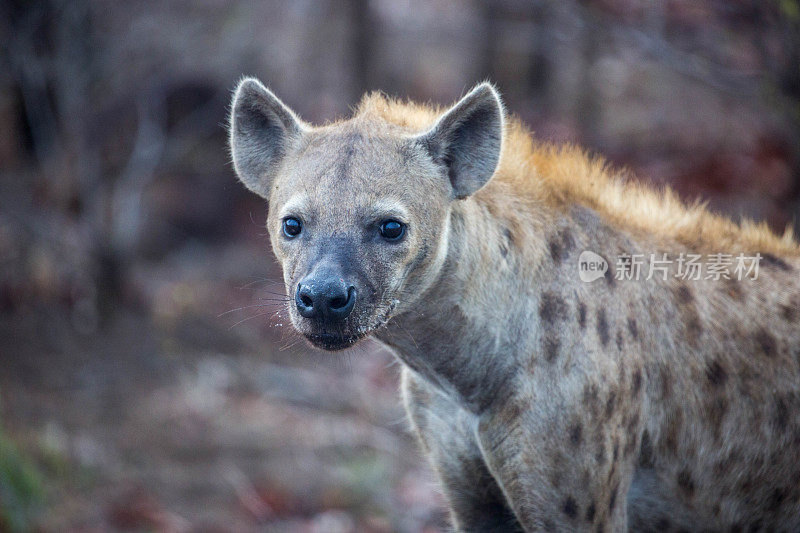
(146, 379)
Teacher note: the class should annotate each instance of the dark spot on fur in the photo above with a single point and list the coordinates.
(602, 326)
(765, 342)
(693, 327)
(685, 482)
(551, 346)
(663, 524)
(591, 511)
(734, 289)
(570, 507)
(688, 313)
(567, 240)
(560, 245)
(600, 456)
(770, 260)
(552, 308)
(716, 374)
(780, 417)
(576, 434)
(612, 501)
(507, 242)
(683, 294)
(646, 451)
(674, 427)
(611, 403)
(776, 499)
(581, 315)
(601, 527)
(590, 398)
(609, 276)
(636, 382)
(615, 452)
(666, 384)
(790, 312)
(620, 340)
(632, 329)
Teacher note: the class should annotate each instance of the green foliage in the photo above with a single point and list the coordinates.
(21, 489)
(790, 9)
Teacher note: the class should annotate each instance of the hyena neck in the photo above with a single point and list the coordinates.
(468, 331)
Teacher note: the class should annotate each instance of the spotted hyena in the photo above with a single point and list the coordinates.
(543, 401)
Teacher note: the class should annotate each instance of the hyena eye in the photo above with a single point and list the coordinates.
(392, 230)
(292, 227)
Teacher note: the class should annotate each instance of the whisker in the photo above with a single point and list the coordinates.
(248, 318)
(240, 309)
(408, 334)
(277, 295)
(256, 282)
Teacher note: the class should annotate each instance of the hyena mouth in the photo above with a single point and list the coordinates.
(331, 342)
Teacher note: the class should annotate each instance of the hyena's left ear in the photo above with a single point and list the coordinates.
(467, 139)
(262, 129)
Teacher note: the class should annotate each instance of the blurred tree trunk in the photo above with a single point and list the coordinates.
(55, 67)
(363, 42)
(541, 67)
(588, 105)
(790, 85)
(490, 14)
(785, 73)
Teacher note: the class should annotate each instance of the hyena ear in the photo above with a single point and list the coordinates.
(467, 139)
(261, 130)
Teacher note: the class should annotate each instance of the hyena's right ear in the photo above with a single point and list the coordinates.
(261, 130)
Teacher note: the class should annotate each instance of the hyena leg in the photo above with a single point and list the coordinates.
(560, 469)
(447, 435)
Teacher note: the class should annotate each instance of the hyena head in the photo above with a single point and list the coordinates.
(359, 210)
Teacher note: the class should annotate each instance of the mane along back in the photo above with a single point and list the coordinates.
(562, 176)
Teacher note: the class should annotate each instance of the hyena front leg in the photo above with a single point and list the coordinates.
(560, 467)
(447, 435)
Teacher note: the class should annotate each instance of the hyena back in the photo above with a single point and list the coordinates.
(543, 402)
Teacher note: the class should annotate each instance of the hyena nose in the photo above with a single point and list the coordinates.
(329, 299)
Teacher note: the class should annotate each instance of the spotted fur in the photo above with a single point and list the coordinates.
(544, 402)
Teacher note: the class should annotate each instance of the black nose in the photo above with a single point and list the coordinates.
(329, 299)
